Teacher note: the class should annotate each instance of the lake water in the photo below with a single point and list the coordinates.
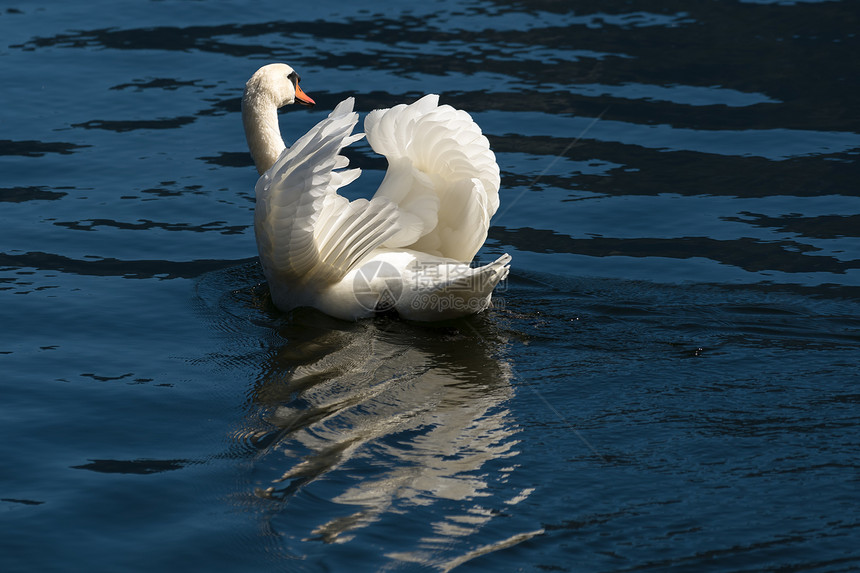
(668, 379)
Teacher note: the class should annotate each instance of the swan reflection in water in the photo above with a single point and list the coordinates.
(382, 418)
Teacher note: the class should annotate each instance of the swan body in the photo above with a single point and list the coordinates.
(409, 247)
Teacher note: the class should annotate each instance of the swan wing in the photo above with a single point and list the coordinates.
(441, 174)
(306, 232)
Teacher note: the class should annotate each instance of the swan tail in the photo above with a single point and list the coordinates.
(306, 232)
(442, 175)
(480, 281)
(465, 290)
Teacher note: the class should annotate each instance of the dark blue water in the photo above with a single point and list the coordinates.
(668, 380)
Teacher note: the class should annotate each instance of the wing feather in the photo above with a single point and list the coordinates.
(441, 173)
(306, 232)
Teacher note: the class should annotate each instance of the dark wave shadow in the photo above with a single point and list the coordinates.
(749, 254)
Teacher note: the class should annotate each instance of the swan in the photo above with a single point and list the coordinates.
(408, 248)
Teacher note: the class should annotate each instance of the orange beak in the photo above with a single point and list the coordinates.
(303, 98)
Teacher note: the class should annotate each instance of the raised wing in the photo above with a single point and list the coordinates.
(441, 173)
(306, 232)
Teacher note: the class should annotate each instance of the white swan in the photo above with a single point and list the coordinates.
(410, 246)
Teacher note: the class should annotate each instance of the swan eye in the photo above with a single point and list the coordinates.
(294, 77)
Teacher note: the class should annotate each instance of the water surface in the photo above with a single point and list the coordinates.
(668, 380)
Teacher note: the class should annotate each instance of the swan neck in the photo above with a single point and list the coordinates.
(260, 118)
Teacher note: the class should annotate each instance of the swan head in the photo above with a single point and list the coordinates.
(278, 84)
(271, 87)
